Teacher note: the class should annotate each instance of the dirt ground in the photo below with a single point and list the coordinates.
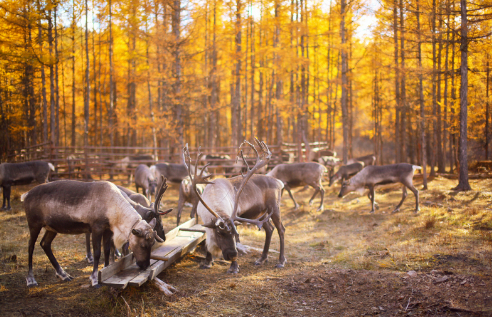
(342, 261)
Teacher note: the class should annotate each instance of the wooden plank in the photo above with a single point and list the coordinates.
(188, 224)
(174, 256)
(168, 247)
(121, 279)
(116, 267)
(143, 276)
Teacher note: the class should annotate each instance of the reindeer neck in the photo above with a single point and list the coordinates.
(122, 220)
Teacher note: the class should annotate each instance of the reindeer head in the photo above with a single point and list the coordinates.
(141, 241)
(347, 187)
(224, 230)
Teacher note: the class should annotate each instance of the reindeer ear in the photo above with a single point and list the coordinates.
(152, 223)
(137, 232)
(165, 212)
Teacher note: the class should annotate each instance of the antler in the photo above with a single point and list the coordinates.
(160, 191)
(261, 160)
(201, 178)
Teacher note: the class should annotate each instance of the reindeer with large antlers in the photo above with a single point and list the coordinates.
(223, 207)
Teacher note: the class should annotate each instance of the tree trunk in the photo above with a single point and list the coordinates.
(344, 99)
(463, 184)
(52, 80)
(57, 89)
(73, 70)
(440, 155)
(421, 101)
(87, 79)
(403, 100)
(176, 25)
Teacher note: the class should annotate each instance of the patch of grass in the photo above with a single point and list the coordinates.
(430, 222)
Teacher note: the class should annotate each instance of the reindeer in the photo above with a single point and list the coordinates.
(128, 162)
(138, 198)
(147, 212)
(372, 175)
(330, 162)
(301, 174)
(73, 165)
(219, 160)
(12, 174)
(146, 179)
(222, 207)
(367, 160)
(73, 207)
(346, 171)
(314, 155)
(175, 173)
(187, 195)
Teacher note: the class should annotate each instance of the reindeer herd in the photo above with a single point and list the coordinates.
(120, 219)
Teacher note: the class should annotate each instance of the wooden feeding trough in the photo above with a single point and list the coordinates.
(179, 241)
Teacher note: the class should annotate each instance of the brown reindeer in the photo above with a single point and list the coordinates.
(372, 175)
(346, 171)
(12, 174)
(73, 207)
(228, 202)
(145, 179)
(301, 174)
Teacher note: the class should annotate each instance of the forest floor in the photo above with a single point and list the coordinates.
(342, 261)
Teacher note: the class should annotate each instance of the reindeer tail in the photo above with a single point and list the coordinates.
(52, 167)
(23, 196)
(416, 167)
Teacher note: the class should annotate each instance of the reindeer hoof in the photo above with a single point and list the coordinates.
(64, 276)
(395, 211)
(90, 260)
(371, 212)
(320, 208)
(233, 271)
(205, 266)
(97, 286)
(261, 261)
(279, 266)
(31, 282)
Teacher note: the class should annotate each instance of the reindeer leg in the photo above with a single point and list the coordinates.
(403, 196)
(6, 197)
(180, 210)
(88, 256)
(268, 238)
(371, 197)
(34, 233)
(108, 243)
(234, 269)
(208, 262)
(416, 194)
(281, 232)
(286, 187)
(322, 191)
(46, 245)
(96, 245)
(193, 209)
(314, 195)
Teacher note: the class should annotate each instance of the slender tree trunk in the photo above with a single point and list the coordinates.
(487, 105)
(344, 97)
(397, 84)
(253, 67)
(87, 79)
(176, 25)
(440, 155)
(237, 90)
(52, 80)
(57, 89)
(433, 140)
(403, 101)
(421, 100)
(463, 184)
(214, 94)
(111, 84)
(73, 72)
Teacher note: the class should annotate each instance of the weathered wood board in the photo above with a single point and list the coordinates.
(179, 241)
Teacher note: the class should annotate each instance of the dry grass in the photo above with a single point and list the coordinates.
(453, 231)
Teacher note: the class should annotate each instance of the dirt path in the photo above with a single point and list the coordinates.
(341, 262)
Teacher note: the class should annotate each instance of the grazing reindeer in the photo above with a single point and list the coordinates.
(73, 164)
(330, 162)
(12, 174)
(73, 207)
(138, 198)
(370, 176)
(147, 212)
(344, 172)
(222, 206)
(146, 179)
(301, 174)
(187, 195)
(128, 162)
(367, 160)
